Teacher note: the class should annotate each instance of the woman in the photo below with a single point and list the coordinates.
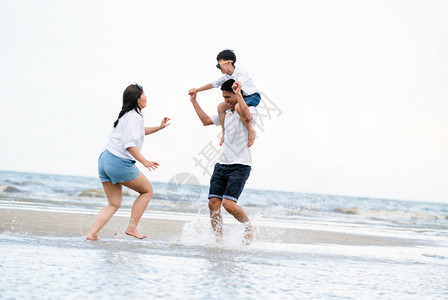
(116, 165)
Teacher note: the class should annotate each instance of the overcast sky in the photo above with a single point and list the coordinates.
(357, 89)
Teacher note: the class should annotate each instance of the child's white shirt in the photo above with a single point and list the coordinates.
(239, 74)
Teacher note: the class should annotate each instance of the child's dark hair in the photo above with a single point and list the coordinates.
(227, 86)
(227, 55)
(130, 96)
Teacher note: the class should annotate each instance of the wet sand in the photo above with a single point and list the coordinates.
(157, 227)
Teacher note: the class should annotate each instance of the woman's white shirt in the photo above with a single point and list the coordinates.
(130, 132)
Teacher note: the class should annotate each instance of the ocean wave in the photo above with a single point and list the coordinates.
(8, 189)
(24, 182)
(279, 211)
(99, 193)
(291, 207)
(398, 216)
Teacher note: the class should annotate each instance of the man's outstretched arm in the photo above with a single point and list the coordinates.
(206, 120)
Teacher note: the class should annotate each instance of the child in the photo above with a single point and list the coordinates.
(226, 63)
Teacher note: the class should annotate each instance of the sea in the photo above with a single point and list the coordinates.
(308, 246)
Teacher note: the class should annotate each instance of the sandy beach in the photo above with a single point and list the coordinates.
(45, 223)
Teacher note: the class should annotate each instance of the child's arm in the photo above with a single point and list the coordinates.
(208, 86)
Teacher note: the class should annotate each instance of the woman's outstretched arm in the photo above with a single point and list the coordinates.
(150, 130)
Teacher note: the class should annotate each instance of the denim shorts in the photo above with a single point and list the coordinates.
(228, 181)
(252, 100)
(115, 169)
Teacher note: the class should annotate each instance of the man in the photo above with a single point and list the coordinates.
(234, 165)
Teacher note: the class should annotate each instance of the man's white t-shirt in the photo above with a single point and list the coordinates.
(130, 132)
(235, 149)
(239, 74)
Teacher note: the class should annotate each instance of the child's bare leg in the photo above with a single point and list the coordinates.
(222, 107)
(251, 133)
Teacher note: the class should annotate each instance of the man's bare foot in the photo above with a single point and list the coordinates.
(218, 240)
(251, 137)
(249, 235)
(135, 234)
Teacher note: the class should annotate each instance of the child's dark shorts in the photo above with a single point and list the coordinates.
(252, 100)
(228, 181)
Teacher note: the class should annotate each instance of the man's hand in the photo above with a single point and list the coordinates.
(236, 87)
(192, 91)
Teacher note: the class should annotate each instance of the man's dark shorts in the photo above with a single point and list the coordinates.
(228, 181)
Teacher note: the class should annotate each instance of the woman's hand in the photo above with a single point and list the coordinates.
(150, 130)
(164, 122)
(151, 165)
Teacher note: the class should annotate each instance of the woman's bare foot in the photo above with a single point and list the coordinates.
(135, 234)
(249, 235)
(92, 237)
(251, 137)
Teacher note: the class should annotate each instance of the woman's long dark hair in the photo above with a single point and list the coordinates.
(130, 97)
